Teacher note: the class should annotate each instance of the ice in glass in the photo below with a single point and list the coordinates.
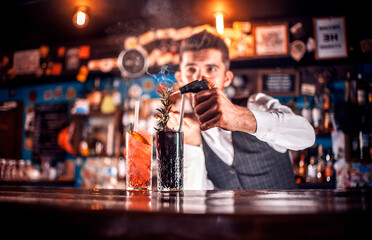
(138, 154)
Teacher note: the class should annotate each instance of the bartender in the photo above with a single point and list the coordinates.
(229, 146)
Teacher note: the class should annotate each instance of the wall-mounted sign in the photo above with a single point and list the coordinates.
(330, 37)
(50, 119)
(26, 61)
(283, 82)
(72, 59)
(271, 40)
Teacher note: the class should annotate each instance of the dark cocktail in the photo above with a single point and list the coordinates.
(169, 149)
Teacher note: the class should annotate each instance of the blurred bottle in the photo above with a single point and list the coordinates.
(364, 128)
(116, 95)
(317, 113)
(311, 171)
(302, 169)
(328, 122)
(360, 163)
(351, 100)
(98, 144)
(329, 172)
(351, 88)
(2, 168)
(83, 145)
(364, 148)
(320, 173)
(21, 167)
(121, 169)
(328, 111)
(33, 173)
(306, 111)
(327, 100)
(361, 91)
(95, 96)
(8, 168)
(369, 114)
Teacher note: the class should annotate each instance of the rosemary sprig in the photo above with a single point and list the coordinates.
(163, 117)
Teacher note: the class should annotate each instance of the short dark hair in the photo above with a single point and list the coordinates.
(204, 40)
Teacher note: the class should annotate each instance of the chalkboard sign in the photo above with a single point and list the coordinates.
(50, 119)
(278, 82)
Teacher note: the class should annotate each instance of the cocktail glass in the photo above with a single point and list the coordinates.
(138, 155)
(169, 147)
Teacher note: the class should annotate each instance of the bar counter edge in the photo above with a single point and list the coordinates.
(60, 213)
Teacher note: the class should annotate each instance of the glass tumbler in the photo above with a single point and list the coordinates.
(169, 149)
(138, 155)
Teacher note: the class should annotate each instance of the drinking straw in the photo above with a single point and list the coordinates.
(181, 113)
(110, 139)
(136, 114)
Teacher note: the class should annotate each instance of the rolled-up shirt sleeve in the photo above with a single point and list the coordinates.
(279, 126)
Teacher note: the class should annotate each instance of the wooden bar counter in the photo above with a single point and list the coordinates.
(71, 213)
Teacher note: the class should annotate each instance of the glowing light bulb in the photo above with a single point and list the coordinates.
(80, 18)
(219, 22)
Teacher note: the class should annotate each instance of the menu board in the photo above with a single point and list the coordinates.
(279, 83)
(50, 119)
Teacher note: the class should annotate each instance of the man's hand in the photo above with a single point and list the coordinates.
(214, 109)
(190, 128)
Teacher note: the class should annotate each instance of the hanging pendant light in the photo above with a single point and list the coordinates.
(81, 18)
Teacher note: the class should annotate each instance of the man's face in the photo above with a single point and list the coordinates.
(204, 63)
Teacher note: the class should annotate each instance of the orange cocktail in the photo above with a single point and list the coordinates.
(138, 155)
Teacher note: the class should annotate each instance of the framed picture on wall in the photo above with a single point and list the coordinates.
(271, 39)
(330, 38)
(282, 82)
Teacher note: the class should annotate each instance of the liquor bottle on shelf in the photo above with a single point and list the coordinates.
(353, 121)
(360, 150)
(354, 147)
(306, 111)
(97, 142)
(327, 112)
(328, 122)
(360, 171)
(369, 114)
(302, 169)
(329, 169)
(311, 171)
(363, 131)
(317, 115)
(364, 148)
(327, 100)
(351, 89)
(361, 91)
(320, 172)
(83, 145)
(296, 167)
(95, 96)
(116, 95)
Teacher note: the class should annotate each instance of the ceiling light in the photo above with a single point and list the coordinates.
(81, 18)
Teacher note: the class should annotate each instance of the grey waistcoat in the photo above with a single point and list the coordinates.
(256, 166)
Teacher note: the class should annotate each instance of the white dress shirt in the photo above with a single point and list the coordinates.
(276, 124)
